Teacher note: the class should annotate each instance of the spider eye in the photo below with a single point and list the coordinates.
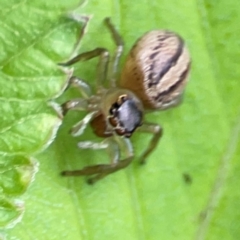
(113, 109)
(126, 116)
(129, 116)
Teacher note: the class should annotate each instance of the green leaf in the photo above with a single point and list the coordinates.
(16, 173)
(189, 187)
(11, 212)
(31, 45)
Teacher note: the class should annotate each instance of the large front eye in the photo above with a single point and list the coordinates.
(129, 116)
(125, 115)
(113, 109)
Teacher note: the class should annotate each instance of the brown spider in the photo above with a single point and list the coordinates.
(153, 78)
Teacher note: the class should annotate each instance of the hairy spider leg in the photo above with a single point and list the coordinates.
(113, 71)
(111, 144)
(157, 132)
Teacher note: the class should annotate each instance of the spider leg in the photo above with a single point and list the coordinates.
(80, 126)
(103, 55)
(117, 164)
(84, 20)
(81, 85)
(118, 52)
(102, 170)
(74, 104)
(156, 131)
(173, 103)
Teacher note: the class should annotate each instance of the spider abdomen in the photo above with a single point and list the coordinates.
(156, 69)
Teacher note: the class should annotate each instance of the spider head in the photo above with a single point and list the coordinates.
(125, 115)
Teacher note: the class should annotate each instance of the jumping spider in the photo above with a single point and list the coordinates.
(153, 78)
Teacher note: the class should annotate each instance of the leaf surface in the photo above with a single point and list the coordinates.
(189, 187)
(31, 44)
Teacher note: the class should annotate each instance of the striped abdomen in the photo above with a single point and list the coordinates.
(156, 69)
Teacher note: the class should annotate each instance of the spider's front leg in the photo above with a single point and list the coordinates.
(113, 71)
(102, 170)
(103, 55)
